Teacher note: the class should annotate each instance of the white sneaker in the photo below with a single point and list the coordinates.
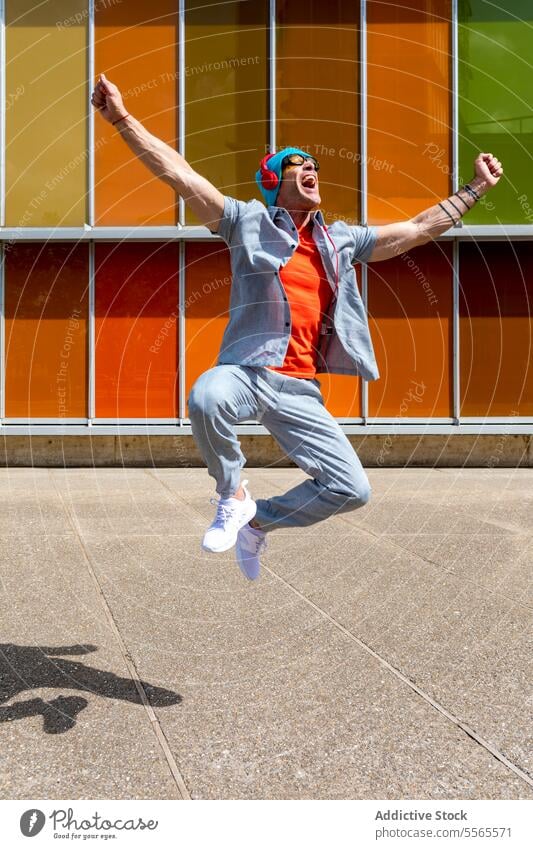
(250, 543)
(232, 514)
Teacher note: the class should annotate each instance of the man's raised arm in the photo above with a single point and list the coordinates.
(394, 239)
(199, 194)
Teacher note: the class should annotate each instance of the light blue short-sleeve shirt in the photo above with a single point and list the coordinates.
(261, 240)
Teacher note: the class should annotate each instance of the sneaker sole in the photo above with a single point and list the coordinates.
(249, 516)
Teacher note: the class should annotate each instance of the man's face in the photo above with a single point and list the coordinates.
(299, 187)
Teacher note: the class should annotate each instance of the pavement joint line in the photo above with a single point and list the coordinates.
(425, 696)
(389, 538)
(440, 708)
(128, 660)
(515, 603)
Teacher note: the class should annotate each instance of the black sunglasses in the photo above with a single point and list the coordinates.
(298, 159)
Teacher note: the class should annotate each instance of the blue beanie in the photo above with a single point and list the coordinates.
(274, 164)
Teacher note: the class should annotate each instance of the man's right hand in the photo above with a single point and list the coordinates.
(167, 164)
(107, 98)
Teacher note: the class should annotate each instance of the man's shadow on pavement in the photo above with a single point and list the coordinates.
(30, 667)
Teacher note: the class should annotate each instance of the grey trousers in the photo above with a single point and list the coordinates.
(293, 411)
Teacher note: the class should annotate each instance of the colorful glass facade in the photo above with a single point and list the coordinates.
(113, 302)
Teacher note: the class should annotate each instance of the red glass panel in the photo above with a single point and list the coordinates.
(496, 302)
(136, 330)
(46, 306)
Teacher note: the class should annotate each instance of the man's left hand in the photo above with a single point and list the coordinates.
(488, 168)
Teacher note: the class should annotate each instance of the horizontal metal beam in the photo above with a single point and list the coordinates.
(493, 428)
(489, 232)
(113, 234)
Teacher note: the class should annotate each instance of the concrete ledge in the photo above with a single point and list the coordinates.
(503, 450)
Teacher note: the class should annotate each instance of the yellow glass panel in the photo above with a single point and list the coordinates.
(46, 114)
(226, 93)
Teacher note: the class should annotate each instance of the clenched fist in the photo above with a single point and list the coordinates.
(107, 99)
(488, 168)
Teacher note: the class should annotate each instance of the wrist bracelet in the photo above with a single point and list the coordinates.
(455, 207)
(448, 214)
(471, 191)
(462, 200)
(120, 119)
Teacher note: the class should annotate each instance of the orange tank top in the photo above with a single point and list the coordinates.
(309, 295)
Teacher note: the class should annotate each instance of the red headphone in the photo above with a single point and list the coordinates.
(269, 179)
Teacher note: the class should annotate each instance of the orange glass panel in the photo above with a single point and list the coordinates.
(409, 107)
(342, 392)
(46, 305)
(411, 321)
(136, 330)
(342, 395)
(46, 113)
(317, 100)
(136, 46)
(496, 340)
(226, 92)
(207, 290)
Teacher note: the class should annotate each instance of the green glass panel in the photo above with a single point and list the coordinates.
(495, 115)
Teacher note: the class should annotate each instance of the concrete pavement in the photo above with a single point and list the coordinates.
(383, 654)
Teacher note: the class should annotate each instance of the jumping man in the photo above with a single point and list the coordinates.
(295, 312)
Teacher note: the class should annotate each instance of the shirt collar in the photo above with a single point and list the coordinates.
(275, 211)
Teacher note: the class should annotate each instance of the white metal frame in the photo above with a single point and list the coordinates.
(2, 114)
(141, 428)
(181, 233)
(182, 353)
(477, 232)
(91, 337)
(91, 115)
(363, 174)
(181, 98)
(456, 387)
(272, 75)
(2, 336)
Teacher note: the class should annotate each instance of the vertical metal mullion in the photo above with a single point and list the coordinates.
(363, 174)
(90, 140)
(363, 177)
(2, 336)
(2, 205)
(456, 364)
(455, 97)
(181, 332)
(455, 186)
(91, 377)
(272, 76)
(2, 114)
(181, 98)
(181, 215)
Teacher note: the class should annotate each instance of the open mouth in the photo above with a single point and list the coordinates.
(309, 181)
